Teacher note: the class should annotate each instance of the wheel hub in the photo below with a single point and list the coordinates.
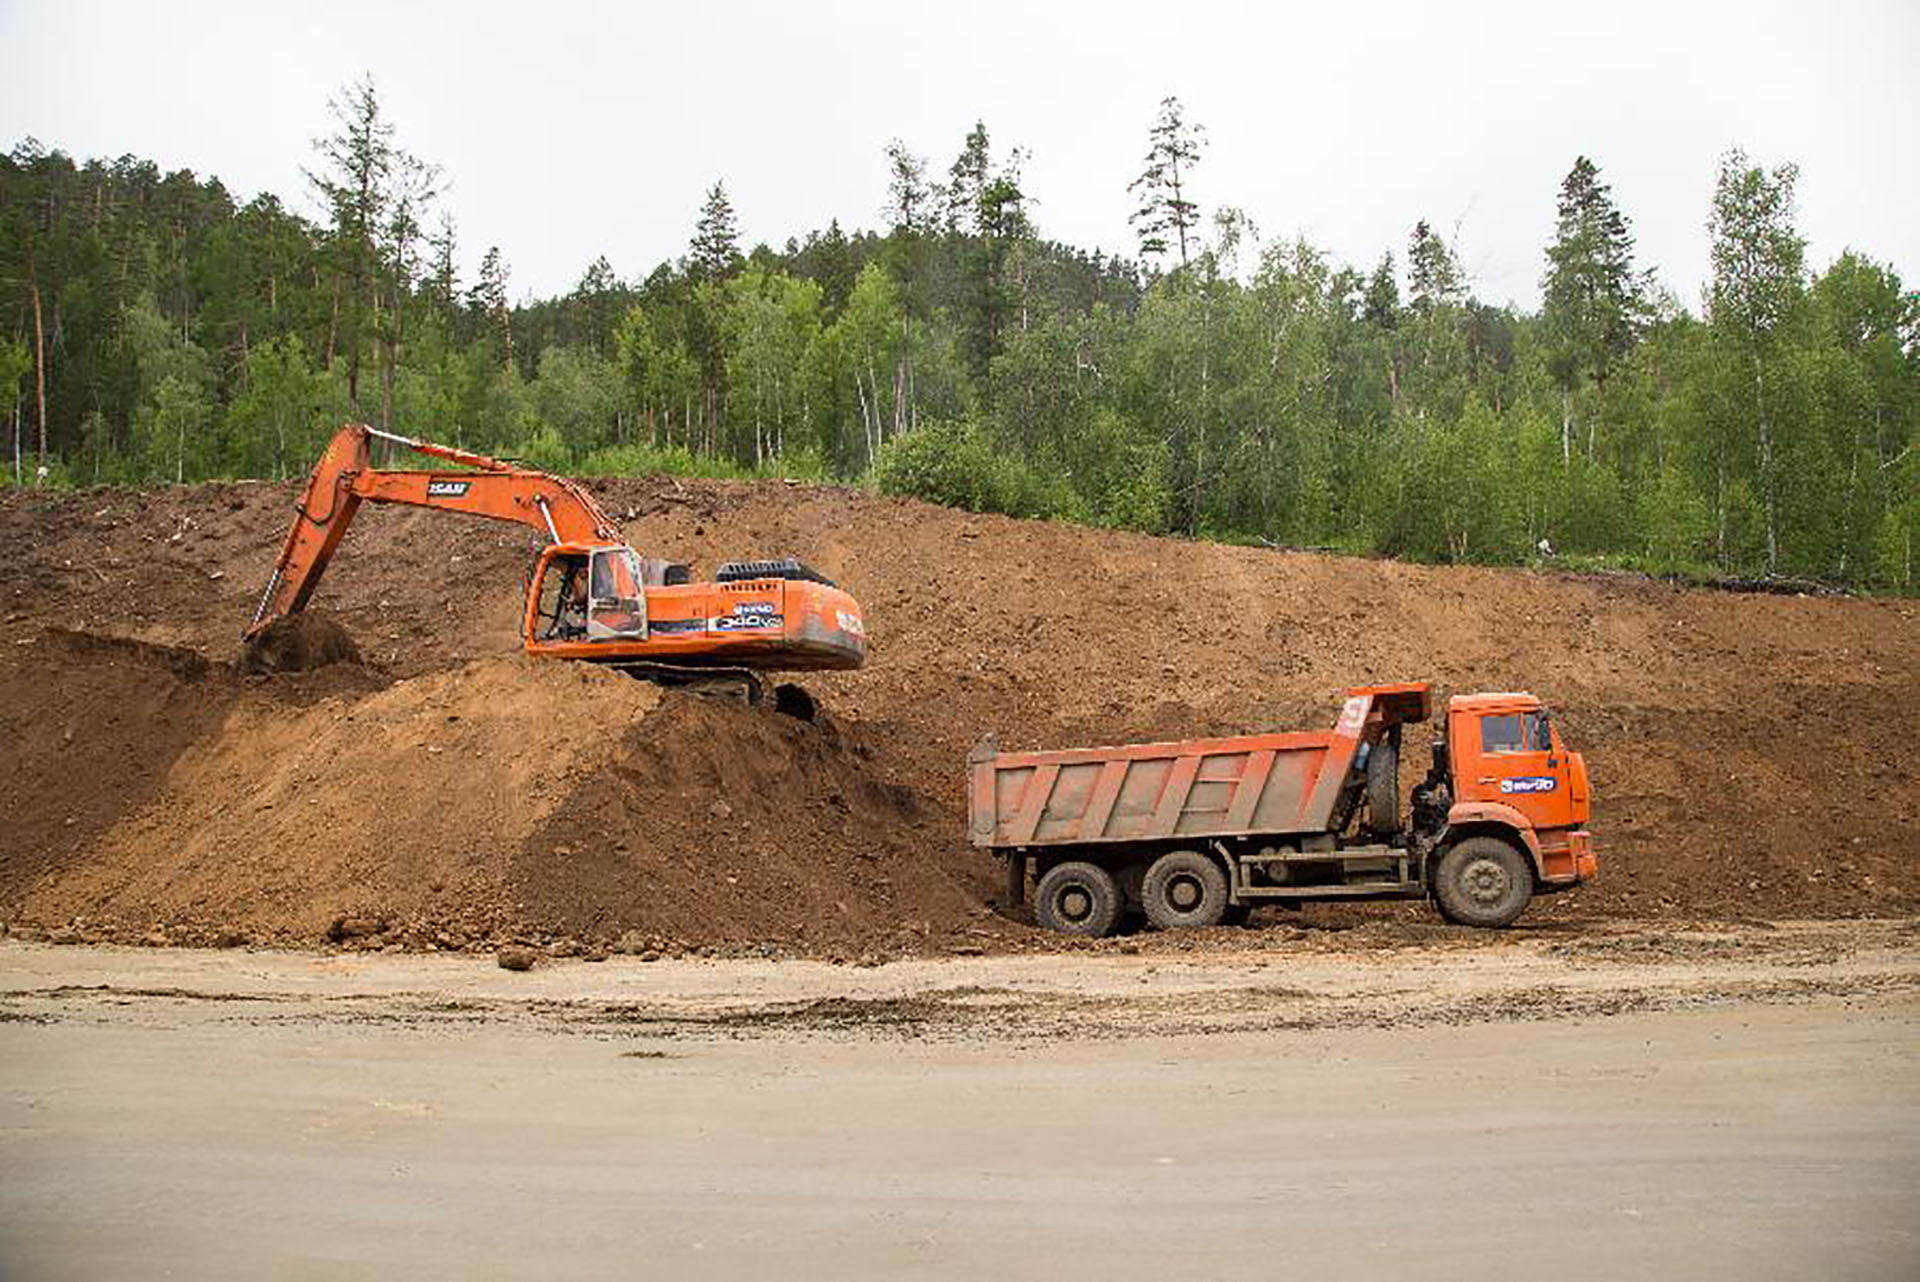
(1485, 882)
(1075, 903)
(1185, 893)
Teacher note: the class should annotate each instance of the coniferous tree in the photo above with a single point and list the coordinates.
(1173, 148)
(1380, 306)
(712, 257)
(714, 253)
(1433, 273)
(443, 272)
(967, 181)
(1592, 305)
(489, 298)
(354, 181)
(909, 198)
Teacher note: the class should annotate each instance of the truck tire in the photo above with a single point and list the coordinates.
(1482, 881)
(1078, 898)
(1383, 788)
(1184, 889)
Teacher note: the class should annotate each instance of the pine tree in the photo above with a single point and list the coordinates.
(714, 253)
(354, 181)
(1433, 273)
(1381, 305)
(443, 277)
(909, 198)
(967, 181)
(1173, 149)
(1381, 309)
(1593, 305)
(489, 298)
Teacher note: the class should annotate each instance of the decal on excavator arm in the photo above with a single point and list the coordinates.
(447, 489)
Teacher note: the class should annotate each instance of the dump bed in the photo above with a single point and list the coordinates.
(1202, 788)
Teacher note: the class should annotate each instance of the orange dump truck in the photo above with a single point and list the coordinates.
(1197, 832)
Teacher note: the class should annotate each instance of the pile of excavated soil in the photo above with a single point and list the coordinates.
(496, 799)
(299, 643)
(1749, 753)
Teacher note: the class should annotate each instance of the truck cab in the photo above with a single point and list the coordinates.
(1512, 777)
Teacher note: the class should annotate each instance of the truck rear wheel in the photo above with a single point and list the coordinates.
(1077, 898)
(1383, 788)
(1184, 889)
(1482, 881)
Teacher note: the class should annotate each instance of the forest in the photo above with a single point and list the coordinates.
(1219, 385)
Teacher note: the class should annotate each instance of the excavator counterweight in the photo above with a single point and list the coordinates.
(591, 597)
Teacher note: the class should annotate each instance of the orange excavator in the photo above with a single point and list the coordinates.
(591, 597)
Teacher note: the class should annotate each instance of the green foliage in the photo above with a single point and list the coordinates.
(1260, 392)
(1678, 523)
(545, 449)
(956, 464)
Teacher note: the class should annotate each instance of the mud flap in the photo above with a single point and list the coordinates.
(1016, 879)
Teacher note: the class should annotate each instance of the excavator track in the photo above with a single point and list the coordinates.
(786, 697)
(740, 681)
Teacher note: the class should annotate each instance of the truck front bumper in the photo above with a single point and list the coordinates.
(1585, 862)
(1569, 861)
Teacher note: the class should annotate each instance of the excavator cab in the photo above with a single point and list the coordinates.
(588, 594)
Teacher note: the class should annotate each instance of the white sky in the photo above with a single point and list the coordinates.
(571, 129)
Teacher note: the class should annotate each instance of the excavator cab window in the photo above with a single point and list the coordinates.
(562, 612)
(617, 599)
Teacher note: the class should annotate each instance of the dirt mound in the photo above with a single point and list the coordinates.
(500, 799)
(299, 643)
(1749, 753)
(92, 726)
(395, 812)
(728, 825)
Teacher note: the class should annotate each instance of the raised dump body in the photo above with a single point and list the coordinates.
(1234, 787)
(1193, 831)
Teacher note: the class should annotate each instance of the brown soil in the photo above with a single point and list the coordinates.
(1749, 753)
(299, 643)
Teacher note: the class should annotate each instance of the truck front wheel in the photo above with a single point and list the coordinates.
(1078, 898)
(1184, 889)
(1482, 881)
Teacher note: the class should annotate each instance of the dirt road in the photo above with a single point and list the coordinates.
(1738, 1102)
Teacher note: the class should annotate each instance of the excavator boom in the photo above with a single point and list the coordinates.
(345, 477)
(591, 597)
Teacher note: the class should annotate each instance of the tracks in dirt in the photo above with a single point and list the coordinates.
(1604, 972)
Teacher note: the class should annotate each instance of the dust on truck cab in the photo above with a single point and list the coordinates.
(1198, 832)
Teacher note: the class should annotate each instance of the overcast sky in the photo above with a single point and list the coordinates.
(571, 130)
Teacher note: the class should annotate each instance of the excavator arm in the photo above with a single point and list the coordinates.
(607, 604)
(345, 477)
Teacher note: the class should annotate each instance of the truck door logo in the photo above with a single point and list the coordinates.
(1529, 783)
(447, 489)
(1353, 715)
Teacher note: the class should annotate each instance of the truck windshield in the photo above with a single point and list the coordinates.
(1515, 732)
(617, 605)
